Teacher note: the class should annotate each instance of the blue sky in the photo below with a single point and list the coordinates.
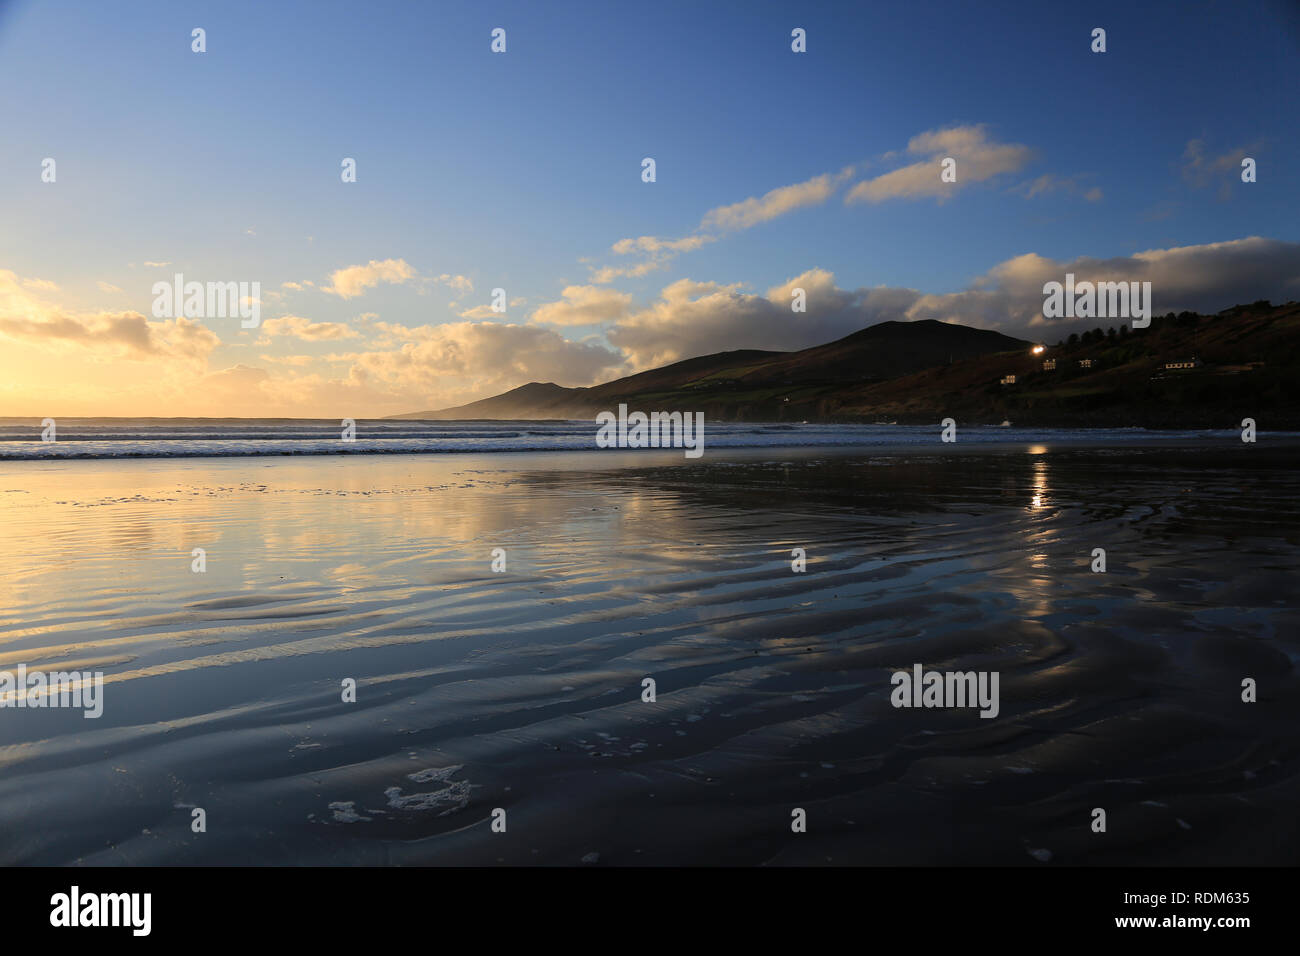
(521, 170)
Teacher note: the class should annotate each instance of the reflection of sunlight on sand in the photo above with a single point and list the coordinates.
(1037, 592)
(325, 555)
(1039, 484)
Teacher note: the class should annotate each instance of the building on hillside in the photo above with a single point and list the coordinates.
(1085, 363)
(1049, 365)
(1008, 380)
(1193, 362)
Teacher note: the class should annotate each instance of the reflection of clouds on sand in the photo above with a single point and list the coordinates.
(772, 686)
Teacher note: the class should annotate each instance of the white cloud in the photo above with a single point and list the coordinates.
(652, 244)
(978, 159)
(606, 274)
(1205, 278)
(354, 280)
(297, 327)
(583, 305)
(481, 312)
(659, 252)
(698, 318)
(459, 283)
(26, 317)
(777, 202)
(297, 361)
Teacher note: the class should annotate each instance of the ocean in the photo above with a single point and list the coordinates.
(20, 438)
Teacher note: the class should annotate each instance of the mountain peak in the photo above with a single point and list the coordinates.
(752, 382)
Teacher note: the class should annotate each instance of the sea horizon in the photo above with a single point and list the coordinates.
(108, 438)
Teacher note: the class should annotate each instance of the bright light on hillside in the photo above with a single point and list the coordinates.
(1038, 348)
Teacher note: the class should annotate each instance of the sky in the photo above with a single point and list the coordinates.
(523, 171)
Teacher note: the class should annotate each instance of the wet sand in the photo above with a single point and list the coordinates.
(522, 690)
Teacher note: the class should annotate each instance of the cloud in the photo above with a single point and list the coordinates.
(459, 283)
(583, 305)
(978, 159)
(1200, 170)
(354, 280)
(492, 351)
(1204, 278)
(659, 252)
(481, 312)
(654, 244)
(108, 287)
(122, 334)
(1050, 183)
(157, 265)
(409, 368)
(25, 317)
(698, 318)
(296, 361)
(239, 378)
(438, 366)
(434, 366)
(777, 202)
(607, 274)
(300, 328)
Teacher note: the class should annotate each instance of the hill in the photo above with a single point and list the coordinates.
(1243, 362)
(749, 384)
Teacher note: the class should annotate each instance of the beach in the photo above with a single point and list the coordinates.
(522, 689)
